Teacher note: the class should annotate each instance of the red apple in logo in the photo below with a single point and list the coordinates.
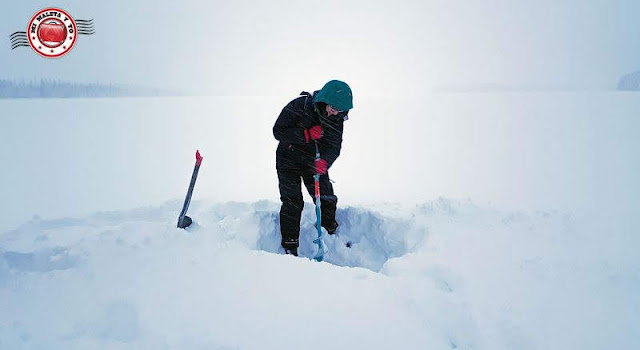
(52, 33)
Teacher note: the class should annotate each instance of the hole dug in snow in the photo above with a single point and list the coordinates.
(373, 238)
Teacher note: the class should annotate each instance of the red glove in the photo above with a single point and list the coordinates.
(321, 166)
(313, 133)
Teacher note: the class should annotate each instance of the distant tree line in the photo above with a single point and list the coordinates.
(46, 88)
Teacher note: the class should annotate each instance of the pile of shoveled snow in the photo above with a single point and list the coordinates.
(441, 275)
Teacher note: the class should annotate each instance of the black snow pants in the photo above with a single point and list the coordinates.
(292, 202)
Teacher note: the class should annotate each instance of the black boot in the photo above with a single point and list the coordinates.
(331, 229)
(290, 246)
(291, 251)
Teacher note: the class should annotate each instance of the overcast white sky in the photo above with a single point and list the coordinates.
(381, 47)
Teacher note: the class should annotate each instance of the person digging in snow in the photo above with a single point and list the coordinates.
(309, 119)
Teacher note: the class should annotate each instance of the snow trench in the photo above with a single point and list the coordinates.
(366, 238)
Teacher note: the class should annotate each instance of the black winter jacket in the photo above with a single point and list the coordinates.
(293, 151)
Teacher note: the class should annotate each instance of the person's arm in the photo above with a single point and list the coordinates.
(286, 128)
(331, 142)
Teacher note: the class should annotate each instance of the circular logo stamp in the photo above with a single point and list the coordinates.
(52, 32)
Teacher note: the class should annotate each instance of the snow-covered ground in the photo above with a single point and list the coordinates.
(445, 274)
(543, 255)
